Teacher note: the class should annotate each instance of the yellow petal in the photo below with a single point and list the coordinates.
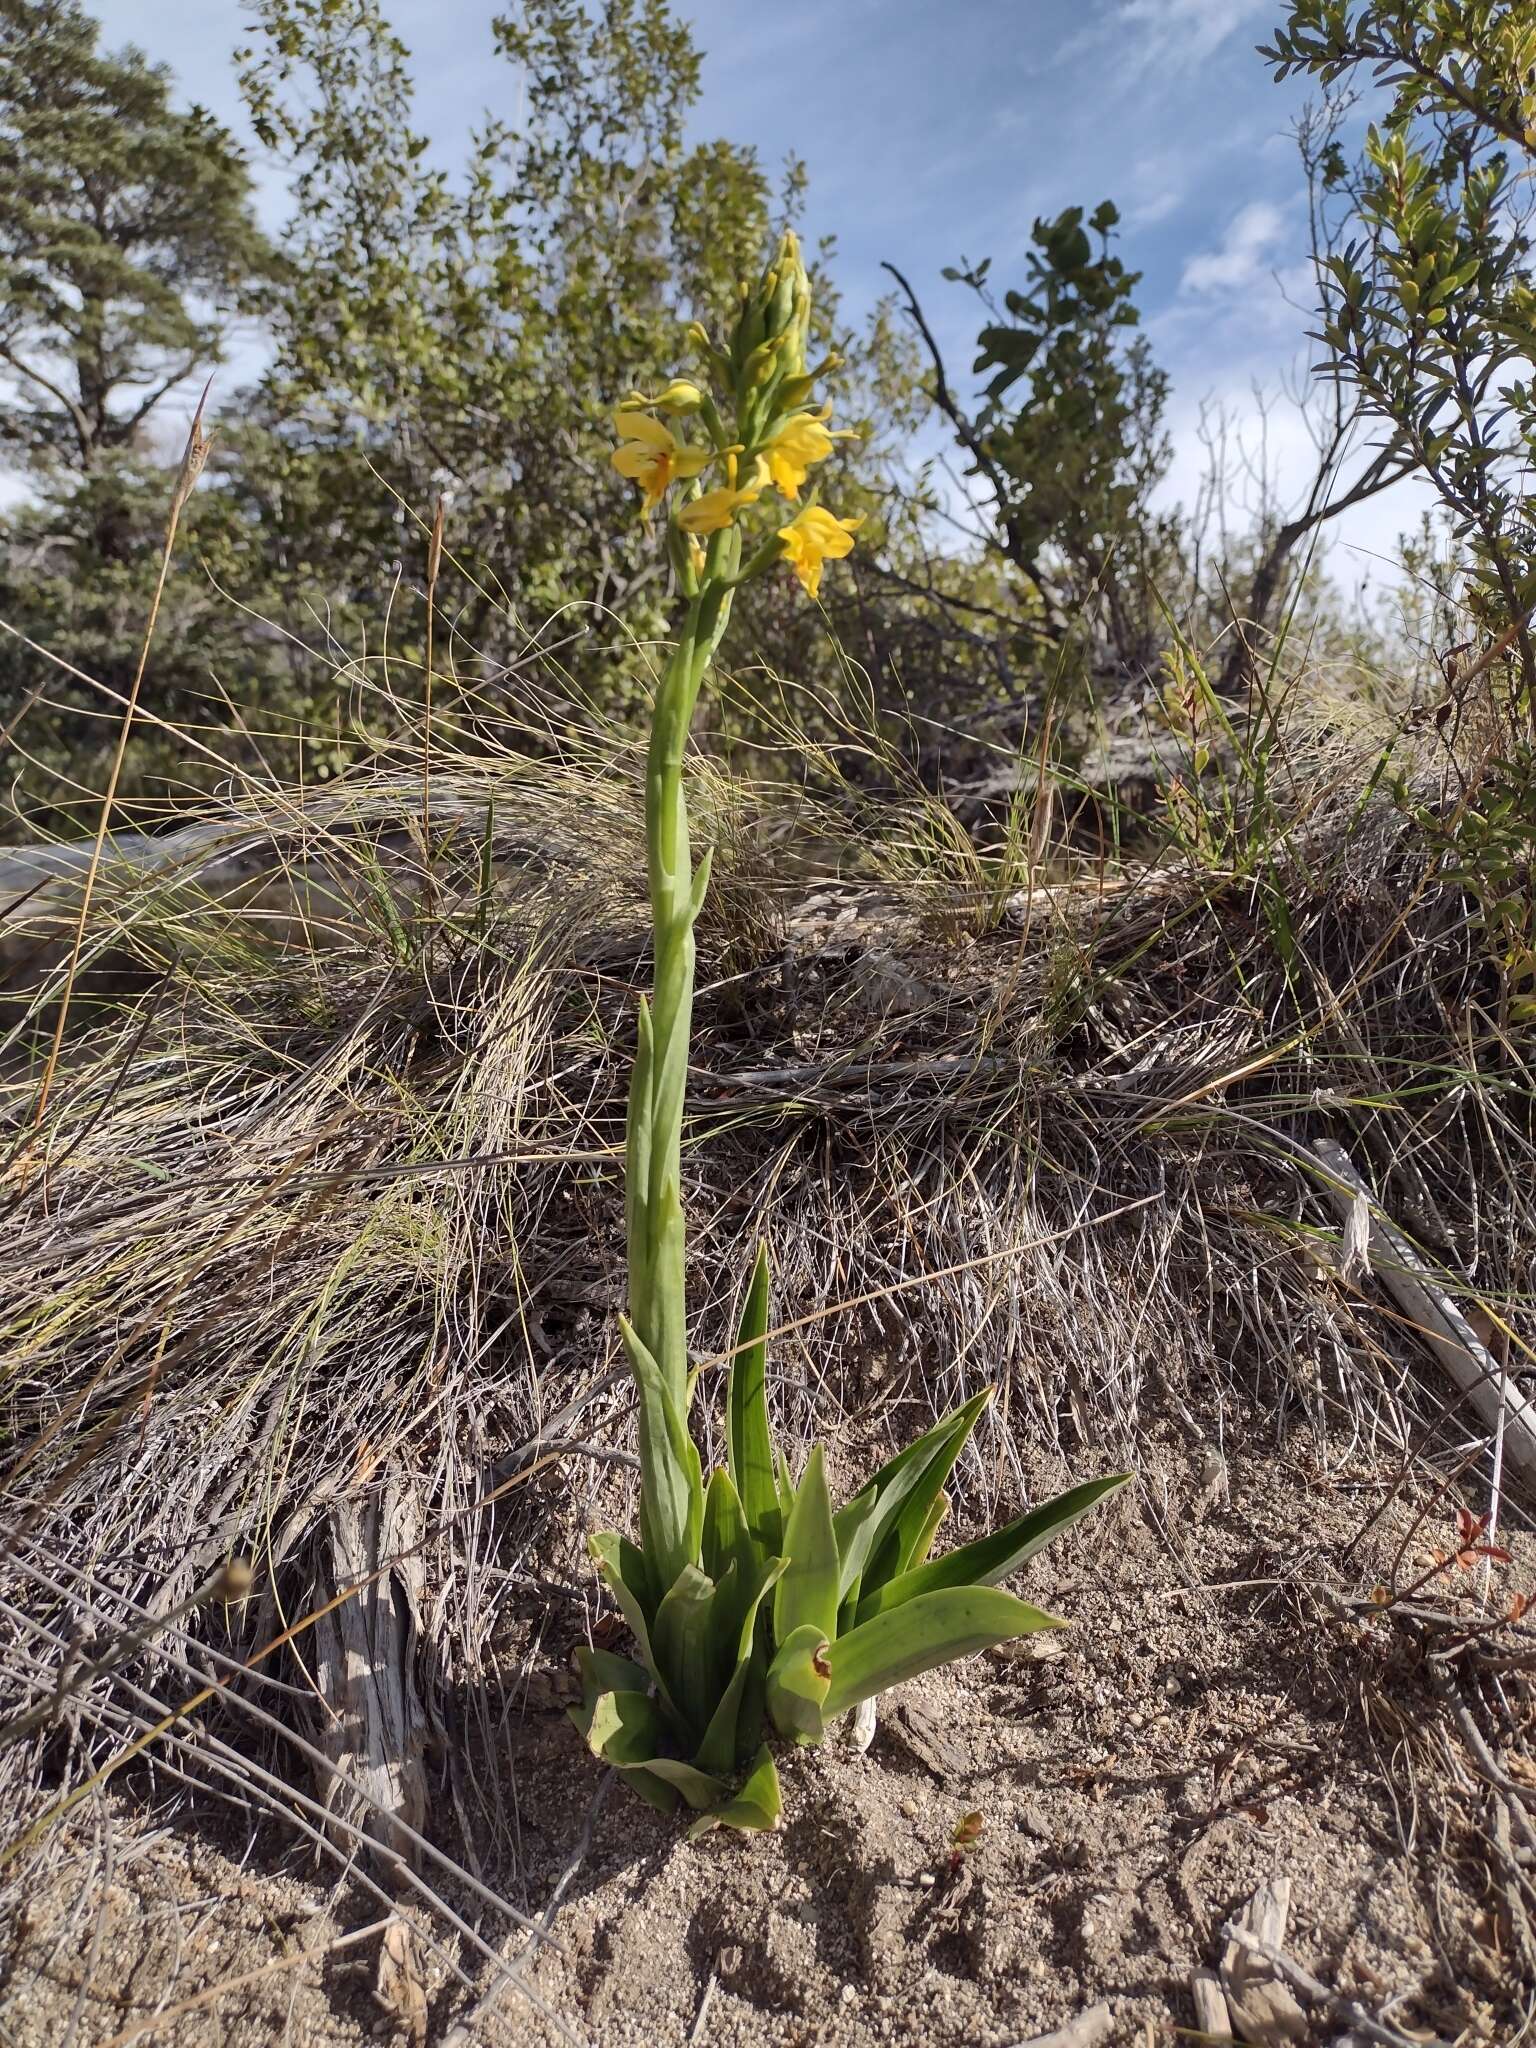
(716, 509)
(633, 459)
(639, 426)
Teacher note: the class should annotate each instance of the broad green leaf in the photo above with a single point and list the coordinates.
(755, 1808)
(934, 1628)
(662, 1796)
(634, 1567)
(610, 1550)
(748, 1438)
(671, 1481)
(807, 1594)
(993, 1557)
(724, 1735)
(912, 1522)
(691, 1645)
(786, 1485)
(930, 1528)
(601, 1671)
(727, 1539)
(653, 1790)
(798, 1682)
(697, 1787)
(872, 1544)
(625, 1728)
(854, 1527)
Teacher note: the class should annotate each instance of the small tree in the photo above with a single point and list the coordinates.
(451, 328)
(1069, 467)
(128, 246)
(1428, 310)
(127, 239)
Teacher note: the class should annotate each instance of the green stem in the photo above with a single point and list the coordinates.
(657, 1282)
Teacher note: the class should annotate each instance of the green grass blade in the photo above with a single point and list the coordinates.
(993, 1557)
(933, 1629)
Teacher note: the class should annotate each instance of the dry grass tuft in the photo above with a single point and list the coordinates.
(326, 1196)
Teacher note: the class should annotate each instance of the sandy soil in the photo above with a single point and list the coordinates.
(1217, 1716)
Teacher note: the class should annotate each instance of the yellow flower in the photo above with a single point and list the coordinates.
(651, 455)
(813, 537)
(716, 509)
(801, 441)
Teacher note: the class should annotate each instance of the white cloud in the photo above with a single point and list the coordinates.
(1188, 29)
(1163, 35)
(1243, 255)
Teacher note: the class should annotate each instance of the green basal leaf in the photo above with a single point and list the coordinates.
(749, 1440)
(697, 1787)
(904, 1489)
(756, 1808)
(786, 1484)
(807, 1595)
(601, 1671)
(724, 1736)
(930, 1528)
(692, 1645)
(653, 1790)
(610, 1550)
(727, 1540)
(671, 1480)
(996, 1556)
(913, 1521)
(626, 1728)
(799, 1679)
(932, 1629)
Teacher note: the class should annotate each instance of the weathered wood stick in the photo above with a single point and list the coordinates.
(1435, 1317)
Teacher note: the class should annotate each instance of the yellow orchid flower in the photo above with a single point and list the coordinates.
(716, 509)
(813, 537)
(801, 441)
(651, 455)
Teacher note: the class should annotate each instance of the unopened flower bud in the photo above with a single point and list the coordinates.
(682, 395)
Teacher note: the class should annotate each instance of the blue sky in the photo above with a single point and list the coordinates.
(936, 129)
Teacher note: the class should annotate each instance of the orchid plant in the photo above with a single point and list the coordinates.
(750, 1597)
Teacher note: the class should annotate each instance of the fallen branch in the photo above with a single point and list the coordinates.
(1432, 1314)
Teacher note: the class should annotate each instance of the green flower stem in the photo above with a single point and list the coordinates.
(657, 1290)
